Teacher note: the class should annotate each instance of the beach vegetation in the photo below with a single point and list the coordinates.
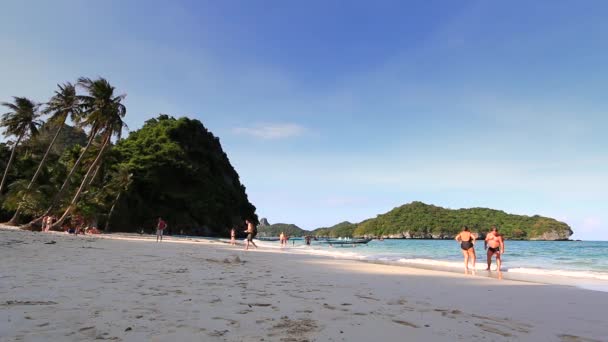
(275, 229)
(21, 121)
(80, 169)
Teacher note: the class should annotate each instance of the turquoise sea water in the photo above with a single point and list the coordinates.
(581, 256)
(582, 260)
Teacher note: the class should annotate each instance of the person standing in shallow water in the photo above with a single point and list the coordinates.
(495, 245)
(250, 234)
(467, 241)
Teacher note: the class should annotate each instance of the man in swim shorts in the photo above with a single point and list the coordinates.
(495, 245)
(251, 232)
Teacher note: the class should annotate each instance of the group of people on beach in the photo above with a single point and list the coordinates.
(251, 231)
(75, 225)
(47, 222)
(283, 238)
(494, 244)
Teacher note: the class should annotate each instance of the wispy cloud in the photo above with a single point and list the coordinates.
(271, 131)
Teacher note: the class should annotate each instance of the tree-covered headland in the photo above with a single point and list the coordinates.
(78, 167)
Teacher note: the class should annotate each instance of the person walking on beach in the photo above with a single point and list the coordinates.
(282, 239)
(232, 237)
(160, 227)
(44, 221)
(467, 241)
(49, 222)
(495, 245)
(251, 233)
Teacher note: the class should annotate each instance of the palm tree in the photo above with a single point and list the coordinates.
(105, 111)
(28, 200)
(94, 109)
(63, 104)
(20, 122)
(121, 181)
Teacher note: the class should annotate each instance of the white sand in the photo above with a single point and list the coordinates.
(133, 289)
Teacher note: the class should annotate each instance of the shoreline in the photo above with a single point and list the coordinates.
(585, 283)
(539, 275)
(130, 288)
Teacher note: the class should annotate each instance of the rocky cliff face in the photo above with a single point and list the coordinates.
(551, 236)
(263, 222)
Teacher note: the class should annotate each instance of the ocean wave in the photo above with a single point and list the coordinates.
(391, 259)
(561, 273)
(396, 259)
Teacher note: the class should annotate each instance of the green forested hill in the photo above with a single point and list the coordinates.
(181, 173)
(341, 229)
(273, 230)
(420, 220)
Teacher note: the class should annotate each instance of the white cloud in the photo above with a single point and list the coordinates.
(272, 131)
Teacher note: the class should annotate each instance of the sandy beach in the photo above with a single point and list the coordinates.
(55, 287)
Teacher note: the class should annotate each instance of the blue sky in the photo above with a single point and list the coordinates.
(342, 110)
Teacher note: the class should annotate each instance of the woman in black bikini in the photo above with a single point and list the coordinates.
(467, 241)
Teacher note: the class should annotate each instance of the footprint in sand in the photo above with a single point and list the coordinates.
(574, 338)
(256, 304)
(330, 307)
(406, 323)
(295, 329)
(230, 321)
(492, 330)
(28, 302)
(367, 297)
(304, 311)
(218, 333)
(397, 302)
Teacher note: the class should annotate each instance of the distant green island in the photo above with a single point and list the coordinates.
(270, 230)
(418, 220)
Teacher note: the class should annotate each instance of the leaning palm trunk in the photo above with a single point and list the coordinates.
(67, 180)
(94, 174)
(14, 220)
(107, 227)
(83, 184)
(10, 161)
